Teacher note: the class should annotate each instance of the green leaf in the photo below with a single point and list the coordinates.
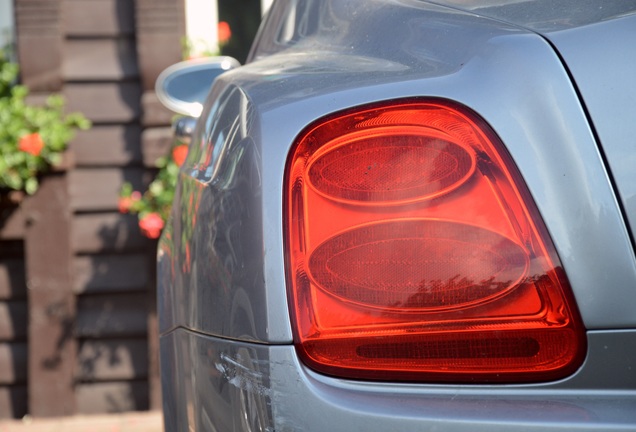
(31, 185)
(18, 169)
(156, 188)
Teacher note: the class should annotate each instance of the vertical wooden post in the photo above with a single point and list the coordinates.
(153, 335)
(51, 303)
(51, 342)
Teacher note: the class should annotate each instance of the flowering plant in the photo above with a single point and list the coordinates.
(32, 138)
(153, 206)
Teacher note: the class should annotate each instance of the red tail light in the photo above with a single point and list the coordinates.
(415, 253)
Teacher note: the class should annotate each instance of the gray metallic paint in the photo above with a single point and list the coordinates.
(592, 38)
(546, 16)
(221, 384)
(233, 296)
(609, 93)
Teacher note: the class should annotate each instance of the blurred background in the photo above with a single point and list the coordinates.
(78, 329)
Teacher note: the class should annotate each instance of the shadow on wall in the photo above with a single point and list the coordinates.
(113, 266)
(115, 299)
(13, 328)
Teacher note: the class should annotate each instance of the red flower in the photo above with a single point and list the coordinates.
(179, 154)
(125, 203)
(151, 225)
(225, 33)
(31, 143)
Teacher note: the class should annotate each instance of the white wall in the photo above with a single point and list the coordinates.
(6, 22)
(202, 19)
(265, 4)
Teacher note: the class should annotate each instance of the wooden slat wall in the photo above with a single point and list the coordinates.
(39, 43)
(109, 273)
(95, 233)
(97, 189)
(160, 27)
(113, 360)
(83, 337)
(11, 223)
(102, 59)
(98, 18)
(108, 145)
(111, 397)
(110, 266)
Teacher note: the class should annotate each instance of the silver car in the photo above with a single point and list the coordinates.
(406, 215)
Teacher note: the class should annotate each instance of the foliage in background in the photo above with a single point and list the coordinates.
(244, 17)
(153, 206)
(191, 49)
(32, 138)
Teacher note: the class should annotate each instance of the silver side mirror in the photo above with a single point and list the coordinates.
(184, 86)
(183, 128)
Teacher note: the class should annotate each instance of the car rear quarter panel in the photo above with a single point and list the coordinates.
(602, 62)
(225, 251)
(226, 337)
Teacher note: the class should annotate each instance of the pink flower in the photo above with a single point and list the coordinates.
(225, 32)
(179, 154)
(31, 143)
(151, 225)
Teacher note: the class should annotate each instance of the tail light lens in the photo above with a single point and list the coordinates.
(415, 253)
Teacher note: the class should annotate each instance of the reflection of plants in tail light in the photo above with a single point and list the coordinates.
(417, 264)
(429, 163)
(416, 253)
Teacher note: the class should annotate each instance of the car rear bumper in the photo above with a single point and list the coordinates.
(218, 384)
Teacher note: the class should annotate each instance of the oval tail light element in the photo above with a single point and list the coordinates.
(415, 253)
